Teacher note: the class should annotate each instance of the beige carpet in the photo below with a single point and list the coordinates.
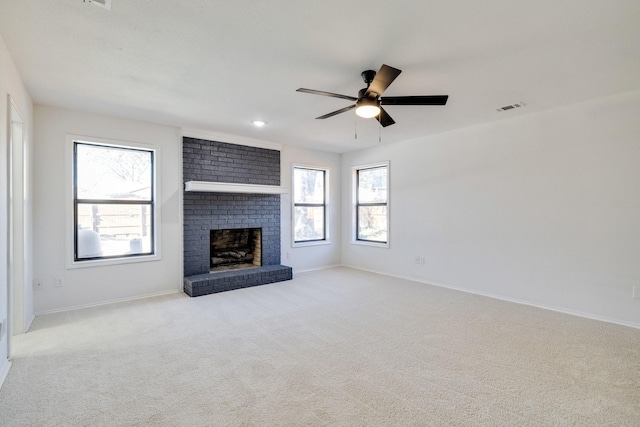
(337, 347)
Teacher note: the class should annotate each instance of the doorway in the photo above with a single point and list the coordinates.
(19, 293)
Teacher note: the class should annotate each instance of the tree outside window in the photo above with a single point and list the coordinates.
(372, 210)
(113, 201)
(309, 204)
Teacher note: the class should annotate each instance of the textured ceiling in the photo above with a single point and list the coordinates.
(216, 65)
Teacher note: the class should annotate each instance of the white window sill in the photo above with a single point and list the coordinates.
(373, 244)
(311, 243)
(113, 261)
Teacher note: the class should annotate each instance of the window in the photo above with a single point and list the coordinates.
(113, 201)
(309, 204)
(372, 207)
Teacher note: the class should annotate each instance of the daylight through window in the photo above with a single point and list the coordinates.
(113, 201)
(309, 205)
(372, 210)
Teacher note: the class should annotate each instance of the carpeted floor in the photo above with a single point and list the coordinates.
(337, 347)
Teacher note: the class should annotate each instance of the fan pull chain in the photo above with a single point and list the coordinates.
(355, 126)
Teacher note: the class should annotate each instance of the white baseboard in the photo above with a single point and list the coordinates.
(504, 298)
(113, 301)
(29, 323)
(4, 371)
(324, 267)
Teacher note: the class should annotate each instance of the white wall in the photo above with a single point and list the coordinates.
(303, 258)
(100, 284)
(543, 208)
(11, 84)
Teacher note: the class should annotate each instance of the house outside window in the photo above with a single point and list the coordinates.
(372, 204)
(113, 201)
(310, 205)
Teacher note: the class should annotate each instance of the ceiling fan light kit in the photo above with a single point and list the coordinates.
(367, 108)
(369, 102)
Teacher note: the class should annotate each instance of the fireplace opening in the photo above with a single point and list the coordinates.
(235, 248)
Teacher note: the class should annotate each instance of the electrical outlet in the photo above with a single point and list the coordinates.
(636, 292)
(37, 285)
(422, 260)
(416, 260)
(59, 282)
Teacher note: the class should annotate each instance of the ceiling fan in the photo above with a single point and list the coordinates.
(369, 102)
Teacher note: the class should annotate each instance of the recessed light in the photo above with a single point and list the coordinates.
(259, 123)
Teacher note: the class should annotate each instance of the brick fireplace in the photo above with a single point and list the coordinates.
(207, 213)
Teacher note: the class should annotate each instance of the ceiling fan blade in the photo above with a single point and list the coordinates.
(384, 118)
(415, 100)
(333, 113)
(382, 80)
(323, 93)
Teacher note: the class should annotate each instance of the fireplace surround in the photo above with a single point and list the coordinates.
(203, 211)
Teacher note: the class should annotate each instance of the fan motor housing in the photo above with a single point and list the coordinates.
(368, 76)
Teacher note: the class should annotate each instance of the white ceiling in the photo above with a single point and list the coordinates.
(217, 65)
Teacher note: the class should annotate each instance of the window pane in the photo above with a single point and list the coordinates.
(309, 223)
(113, 230)
(308, 186)
(111, 173)
(372, 185)
(372, 223)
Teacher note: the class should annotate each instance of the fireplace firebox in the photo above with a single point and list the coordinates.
(235, 248)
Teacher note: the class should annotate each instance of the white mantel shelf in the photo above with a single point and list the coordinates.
(229, 187)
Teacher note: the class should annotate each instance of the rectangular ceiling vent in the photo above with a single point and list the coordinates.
(106, 4)
(511, 107)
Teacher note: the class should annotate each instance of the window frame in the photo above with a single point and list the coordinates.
(72, 205)
(324, 205)
(357, 204)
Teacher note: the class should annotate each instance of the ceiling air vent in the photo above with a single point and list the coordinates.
(106, 4)
(511, 107)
